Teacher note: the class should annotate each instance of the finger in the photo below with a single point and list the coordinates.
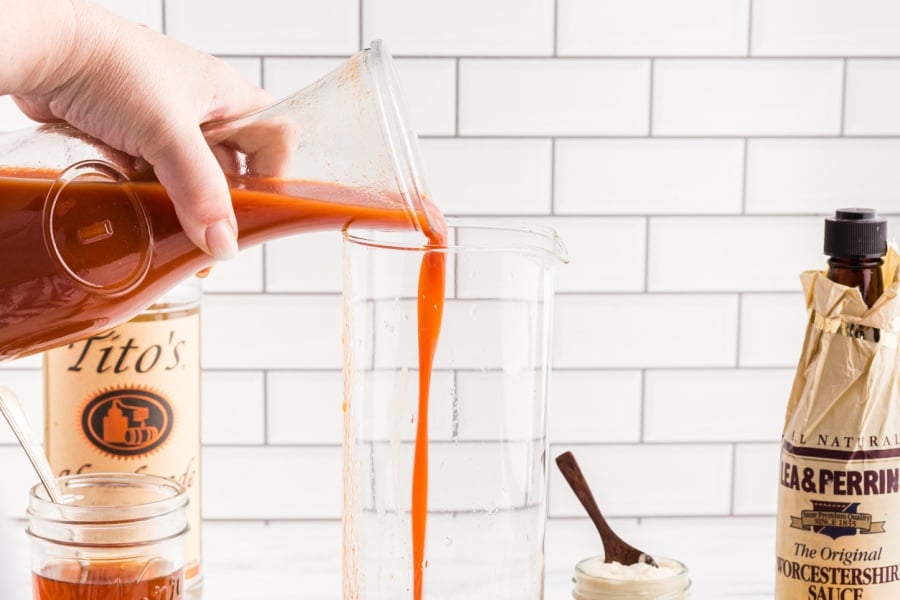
(194, 180)
(34, 109)
(269, 145)
(274, 152)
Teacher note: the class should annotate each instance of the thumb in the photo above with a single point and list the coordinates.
(196, 184)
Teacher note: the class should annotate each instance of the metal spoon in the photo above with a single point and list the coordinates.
(614, 547)
(15, 416)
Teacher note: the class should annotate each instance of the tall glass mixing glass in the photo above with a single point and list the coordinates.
(479, 422)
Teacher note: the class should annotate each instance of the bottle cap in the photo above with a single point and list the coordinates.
(856, 232)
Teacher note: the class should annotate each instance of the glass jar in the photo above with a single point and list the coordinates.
(598, 580)
(118, 536)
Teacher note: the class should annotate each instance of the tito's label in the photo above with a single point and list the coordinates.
(129, 400)
(838, 499)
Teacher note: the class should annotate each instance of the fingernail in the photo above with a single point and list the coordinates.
(221, 240)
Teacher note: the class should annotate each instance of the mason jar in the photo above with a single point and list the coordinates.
(597, 580)
(118, 536)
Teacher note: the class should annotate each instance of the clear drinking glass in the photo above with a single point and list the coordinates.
(119, 536)
(487, 447)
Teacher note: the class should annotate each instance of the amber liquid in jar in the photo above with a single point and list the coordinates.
(110, 582)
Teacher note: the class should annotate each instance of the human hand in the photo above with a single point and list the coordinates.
(145, 94)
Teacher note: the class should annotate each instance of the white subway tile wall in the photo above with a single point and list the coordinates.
(686, 152)
(747, 97)
(652, 27)
(826, 28)
(873, 90)
(641, 176)
(547, 96)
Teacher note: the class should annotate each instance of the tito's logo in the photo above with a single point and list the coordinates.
(127, 422)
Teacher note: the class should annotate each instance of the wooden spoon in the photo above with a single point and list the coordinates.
(615, 548)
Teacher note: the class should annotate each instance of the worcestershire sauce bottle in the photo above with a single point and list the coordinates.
(128, 399)
(839, 476)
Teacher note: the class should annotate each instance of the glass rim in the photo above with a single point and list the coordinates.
(41, 507)
(541, 241)
(680, 567)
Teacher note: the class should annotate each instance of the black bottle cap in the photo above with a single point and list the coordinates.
(856, 232)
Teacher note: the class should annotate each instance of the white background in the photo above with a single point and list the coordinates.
(685, 150)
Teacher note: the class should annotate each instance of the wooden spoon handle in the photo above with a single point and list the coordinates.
(572, 472)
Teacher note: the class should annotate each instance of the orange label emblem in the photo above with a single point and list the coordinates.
(127, 422)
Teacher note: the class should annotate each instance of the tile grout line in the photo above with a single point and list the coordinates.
(646, 253)
(448, 441)
(565, 292)
(737, 351)
(643, 417)
(336, 370)
(456, 105)
(360, 18)
(265, 278)
(844, 97)
(347, 335)
(265, 384)
(557, 518)
(733, 490)
(650, 98)
(744, 178)
(555, 28)
(552, 176)
(598, 57)
(667, 136)
(750, 30)
(262, 72)
(454, 408)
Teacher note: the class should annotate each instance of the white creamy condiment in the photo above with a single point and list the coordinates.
(599, 580)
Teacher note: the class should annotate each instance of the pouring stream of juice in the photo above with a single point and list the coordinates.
(430, 310)
(100, 234)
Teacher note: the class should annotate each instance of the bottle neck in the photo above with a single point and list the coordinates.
(861, 273)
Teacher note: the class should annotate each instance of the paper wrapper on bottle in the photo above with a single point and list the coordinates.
(839, 493)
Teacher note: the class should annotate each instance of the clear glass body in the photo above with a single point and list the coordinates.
(486, 413)
(119, 536)
(591, 586)
(97, 239)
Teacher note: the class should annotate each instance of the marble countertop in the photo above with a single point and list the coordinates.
(729, 558)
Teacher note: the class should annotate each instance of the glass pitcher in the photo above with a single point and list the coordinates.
(96, 239)
(475, 528)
